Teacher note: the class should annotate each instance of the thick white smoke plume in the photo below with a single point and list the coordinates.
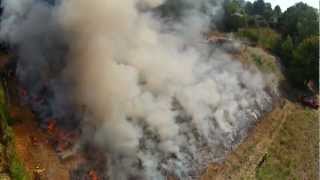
(161, 100)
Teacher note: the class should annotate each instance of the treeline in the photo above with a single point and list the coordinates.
(293, 35)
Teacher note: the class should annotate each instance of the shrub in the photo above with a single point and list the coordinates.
(264, 37)
(287, 48)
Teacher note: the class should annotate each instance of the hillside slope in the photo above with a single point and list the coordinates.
(283, 144)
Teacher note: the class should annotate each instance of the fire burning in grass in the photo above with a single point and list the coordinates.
(157, 101)
(62, 138)
(93, 175)
(51, 126)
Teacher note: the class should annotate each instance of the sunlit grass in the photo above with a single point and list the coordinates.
(294, 153)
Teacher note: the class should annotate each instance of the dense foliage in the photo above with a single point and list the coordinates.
(299, 21)
(305, 62)
(292, 35)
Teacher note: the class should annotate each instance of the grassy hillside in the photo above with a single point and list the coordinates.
(283, 145)
(294, 153)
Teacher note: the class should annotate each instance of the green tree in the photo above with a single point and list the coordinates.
(267, 12)
(275, 16)
(249, 8)
(300, 21)
(258, 7)
(305, 64)
(287, 50)
(277, 11)
(235, 17)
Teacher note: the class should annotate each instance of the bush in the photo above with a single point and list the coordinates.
(287, 48)
(264, 37)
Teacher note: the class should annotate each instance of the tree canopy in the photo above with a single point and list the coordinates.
(300, 21)
(298, 26)
(305, 64)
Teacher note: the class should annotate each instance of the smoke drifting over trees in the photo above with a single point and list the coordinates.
(160, 101)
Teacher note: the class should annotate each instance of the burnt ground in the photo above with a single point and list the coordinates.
(35, 150)
(34, 144)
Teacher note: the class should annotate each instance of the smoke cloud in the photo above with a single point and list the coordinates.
(161, 101)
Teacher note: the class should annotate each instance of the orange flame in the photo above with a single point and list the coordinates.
(93, 175)
(51, 126)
